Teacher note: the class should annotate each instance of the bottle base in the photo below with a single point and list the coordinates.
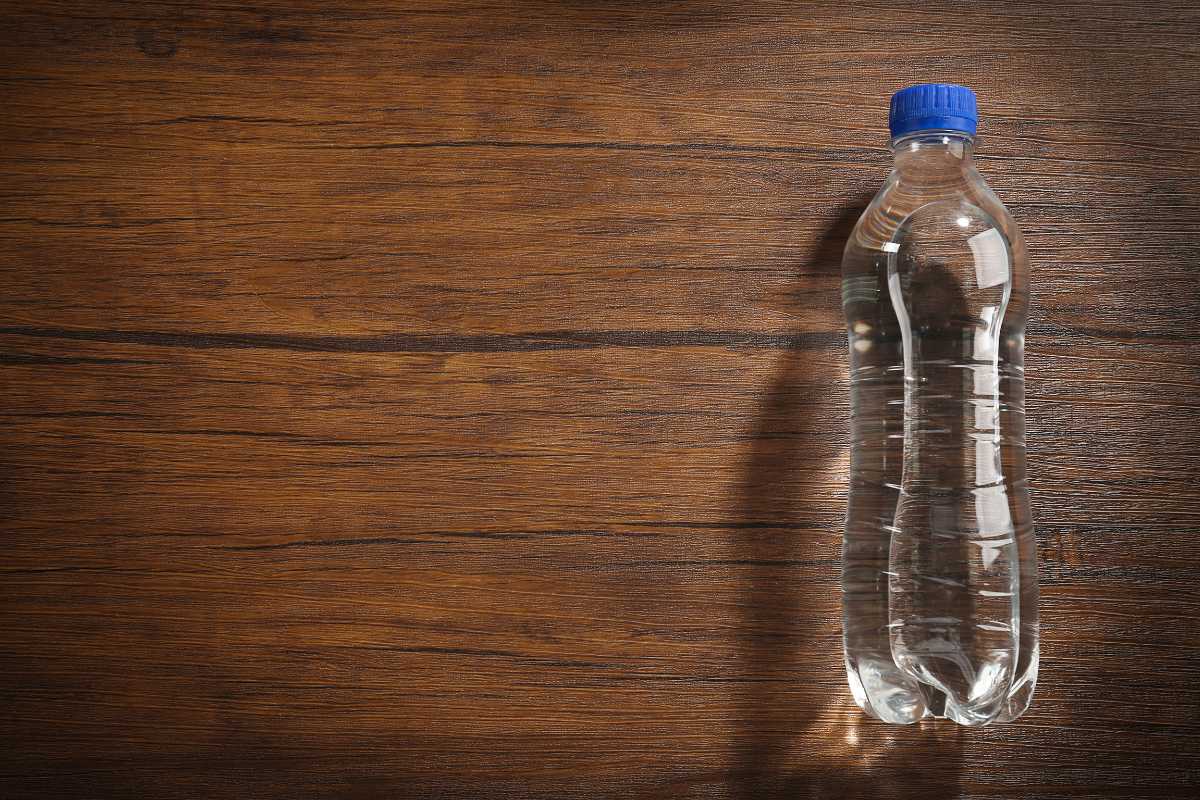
(886, 692)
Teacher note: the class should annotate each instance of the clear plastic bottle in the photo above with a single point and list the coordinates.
(939, 562)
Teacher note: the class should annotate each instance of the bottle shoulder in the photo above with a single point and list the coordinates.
(936, 220)
(901, 196)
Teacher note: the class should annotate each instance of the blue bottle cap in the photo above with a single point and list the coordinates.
(933, 106)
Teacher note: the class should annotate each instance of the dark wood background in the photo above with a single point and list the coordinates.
(449, 400)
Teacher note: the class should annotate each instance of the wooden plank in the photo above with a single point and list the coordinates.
(450, 400)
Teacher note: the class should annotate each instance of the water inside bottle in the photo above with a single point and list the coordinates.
(939, 572)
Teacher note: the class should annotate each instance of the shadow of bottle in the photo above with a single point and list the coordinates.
(801, 734)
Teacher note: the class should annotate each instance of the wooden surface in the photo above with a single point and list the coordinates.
(449, 401)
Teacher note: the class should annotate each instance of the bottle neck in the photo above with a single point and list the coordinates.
(933, 155)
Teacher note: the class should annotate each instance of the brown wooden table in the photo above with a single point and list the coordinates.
(449, 400)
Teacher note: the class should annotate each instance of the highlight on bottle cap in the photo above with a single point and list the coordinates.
(933, 106)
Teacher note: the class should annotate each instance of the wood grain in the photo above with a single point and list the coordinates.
(448, 399)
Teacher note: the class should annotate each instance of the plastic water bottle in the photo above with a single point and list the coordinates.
(939, 563)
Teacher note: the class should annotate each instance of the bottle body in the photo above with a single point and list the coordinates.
(939, 563)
